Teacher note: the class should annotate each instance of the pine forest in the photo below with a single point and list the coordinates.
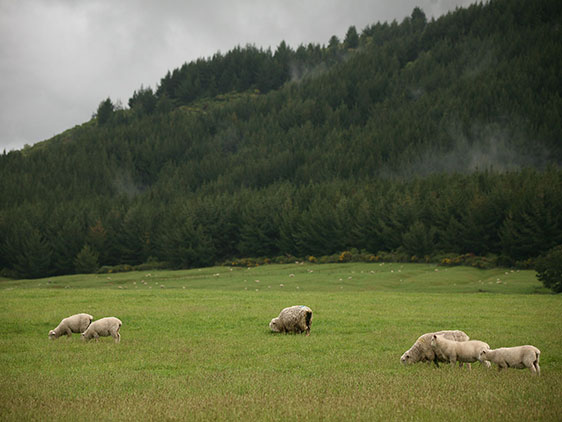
(428, 140)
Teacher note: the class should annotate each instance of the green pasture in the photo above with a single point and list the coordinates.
(195, 345)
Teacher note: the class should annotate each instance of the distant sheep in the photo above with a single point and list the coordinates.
(104, 327)
(459, 351)
(295, 319)
(73, 324)
(519, 357)
(421, 350)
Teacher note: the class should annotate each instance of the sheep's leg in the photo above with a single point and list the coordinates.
(96, 336)
(116, 336)
(529, 363)
(436, 362)
(68, 333)
(537, 367)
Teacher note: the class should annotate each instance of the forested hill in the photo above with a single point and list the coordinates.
(419, 138)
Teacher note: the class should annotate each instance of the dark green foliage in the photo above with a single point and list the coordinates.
(143, 101)
(416, 139)
(351, 38)
(30, 251)
(86, 261)
(419, 240)
(549, 269)
(188, 246)
(105, 112)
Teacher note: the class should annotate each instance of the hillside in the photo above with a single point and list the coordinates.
(421, 138)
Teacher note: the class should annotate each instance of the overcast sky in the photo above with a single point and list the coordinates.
(60, 58)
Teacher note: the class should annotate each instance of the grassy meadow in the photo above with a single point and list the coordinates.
(195, 345)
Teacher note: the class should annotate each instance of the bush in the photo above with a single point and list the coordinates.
(549, 269)
(329, 259)
(393, 256)
(468, 260)
(345, 256)
(151, 264)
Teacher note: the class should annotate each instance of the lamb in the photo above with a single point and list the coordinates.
(519, 357)
(461, 351)
(104, 327)
(421, 350)
(73, 324)
(295, 319)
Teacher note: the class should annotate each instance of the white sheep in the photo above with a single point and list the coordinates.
(519, 357)
(295, 319)
(73, 324)
(104, 327)
(459, 351)
(421, 350)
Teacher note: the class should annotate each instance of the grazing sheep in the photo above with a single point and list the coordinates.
(73, 324)
(104, 327)
(519, 357)
(461, 351)
(295, 319)
(421, 350)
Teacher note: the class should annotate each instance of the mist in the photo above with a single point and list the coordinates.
(485, 147)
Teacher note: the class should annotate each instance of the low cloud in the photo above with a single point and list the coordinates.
(485, 147)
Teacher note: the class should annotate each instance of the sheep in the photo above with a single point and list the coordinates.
(421, 350)
(519, 357)
(73, 324)
(104, 327)
(295, 319)
(461, 351)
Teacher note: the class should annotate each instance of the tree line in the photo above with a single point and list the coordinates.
(514, 216)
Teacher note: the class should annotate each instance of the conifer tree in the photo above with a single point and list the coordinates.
(33, 257)
(86, 262)
(105, 112)
(351, 38)
(549, 269)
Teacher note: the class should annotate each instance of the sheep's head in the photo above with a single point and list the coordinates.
(52, 335)
(274, 325)
(406, 358)
(483, 354)
(83, 335)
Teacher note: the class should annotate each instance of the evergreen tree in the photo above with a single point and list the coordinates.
(549, 269)
(419, 240)
(86, 262)
(351, 38)
(105, 112)
(143, 101)
(33, 258)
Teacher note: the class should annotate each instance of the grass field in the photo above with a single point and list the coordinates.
(195, 345)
